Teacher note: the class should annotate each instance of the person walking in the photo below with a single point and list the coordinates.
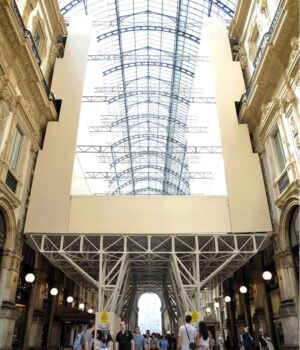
(88, 337)
(147, 340)
(203, 337)
(186, 335)
(154, 342)
(163, 343)
(138, 339)
(124, 338)
(103, 341)
(247, 339)
(221, 341)
(265, 342)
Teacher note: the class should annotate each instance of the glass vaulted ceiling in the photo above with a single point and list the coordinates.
(146, 55)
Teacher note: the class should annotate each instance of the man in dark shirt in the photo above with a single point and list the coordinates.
(124, 338)
(247, 339)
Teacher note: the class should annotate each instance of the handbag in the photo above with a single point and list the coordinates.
(192, 345)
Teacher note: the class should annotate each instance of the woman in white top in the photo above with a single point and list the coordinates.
(103, 342)
(203, 338)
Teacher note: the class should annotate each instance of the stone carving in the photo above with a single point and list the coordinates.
(284, 260)
(11, 261)
(243, 58)
(295, 48)
(293, 125)
(263, 6)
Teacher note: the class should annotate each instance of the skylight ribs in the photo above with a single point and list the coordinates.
(124, 86)
(175, 91)
(147, 51)
(147, 93)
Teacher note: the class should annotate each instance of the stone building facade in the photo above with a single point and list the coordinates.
(32, 37)
(265, 39)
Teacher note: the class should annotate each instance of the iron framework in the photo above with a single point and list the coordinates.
(180, 266)
(148, 51)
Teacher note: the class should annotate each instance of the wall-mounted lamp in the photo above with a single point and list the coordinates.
(90, 311)
(227, 299)
(216, 305)
(243, 289)
(30, 278)
(208, 309)
(267, 276)
(70, 299)
(81, 306)
(53, 291)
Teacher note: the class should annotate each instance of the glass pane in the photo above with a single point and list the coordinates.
(152, 125)
(14, 157)
(279, 153)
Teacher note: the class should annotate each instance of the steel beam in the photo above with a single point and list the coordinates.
(151, 57)
(120, 150)
(148, 28)
(192, 175)
(148, 64)
(109, 128)
(186, 100)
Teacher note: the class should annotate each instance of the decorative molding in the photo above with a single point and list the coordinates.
(263, 7)
(18, 51)
(271, 65)
(242, 57)
(284, 260)
(11, 261)
(29, 7)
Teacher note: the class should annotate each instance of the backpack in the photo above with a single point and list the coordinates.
(78, 341)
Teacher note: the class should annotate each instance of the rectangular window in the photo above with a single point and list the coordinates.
(279, 152)
(15, 152)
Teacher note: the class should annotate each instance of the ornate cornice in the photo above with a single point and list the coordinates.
(24, 63)
(271, 67)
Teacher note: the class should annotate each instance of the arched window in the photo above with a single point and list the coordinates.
(294, 236)
(149, 317)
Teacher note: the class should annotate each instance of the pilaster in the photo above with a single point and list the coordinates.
(36, 314)
(261, 317)
(8, 312)
(289, 309)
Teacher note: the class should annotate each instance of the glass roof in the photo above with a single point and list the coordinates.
(142, 100)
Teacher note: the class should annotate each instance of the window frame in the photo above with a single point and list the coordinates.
(278, 152)
(16, 149)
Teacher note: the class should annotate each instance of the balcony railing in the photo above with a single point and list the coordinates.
(267, 36)
(27, 34)
(283, 182)
(261, 49)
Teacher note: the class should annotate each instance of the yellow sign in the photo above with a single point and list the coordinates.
(104, 317)
(195, 316)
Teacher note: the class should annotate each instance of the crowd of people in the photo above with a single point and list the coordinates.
(189, 338)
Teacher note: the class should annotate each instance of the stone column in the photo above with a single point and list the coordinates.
(230, 320)
(8, 312)
(34, 327)
(262, 316)
(289, 291)
(240, 310)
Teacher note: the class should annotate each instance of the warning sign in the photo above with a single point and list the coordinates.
(195, 317)
(104, 317)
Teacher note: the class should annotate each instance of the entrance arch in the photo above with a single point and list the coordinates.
(149, 316)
